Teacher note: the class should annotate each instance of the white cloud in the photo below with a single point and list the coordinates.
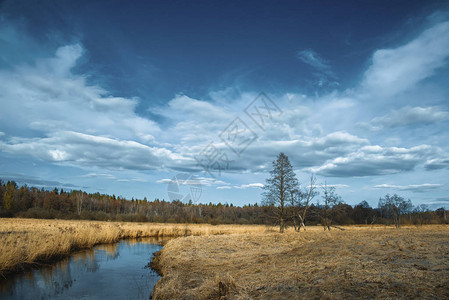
(377, 160)
(193, 108)
(411, 187)
(323, 71)
(64, 60)
(78, 123)
(164, 181)
(250, 185)
(96, 175)
(89, 150)
(48, 98)
(408, 116)
(395, 70)
(441, 162)
(312, 58)
(193, 121)
(303, 152)
(22, 178)
(131, 180)
(82, 124)
(338, 186)
(194, 180)
(225, 187)
(242, 186)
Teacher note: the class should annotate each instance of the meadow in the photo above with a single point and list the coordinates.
(254, 261)
(360, 262)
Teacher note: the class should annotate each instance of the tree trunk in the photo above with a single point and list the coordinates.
(301, 224)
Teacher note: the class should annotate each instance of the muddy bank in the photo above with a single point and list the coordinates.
(155, 262)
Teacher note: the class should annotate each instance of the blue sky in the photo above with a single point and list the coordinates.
(120, 97)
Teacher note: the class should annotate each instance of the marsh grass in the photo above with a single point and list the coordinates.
(255, 262)
(30, 242)
(359, 262)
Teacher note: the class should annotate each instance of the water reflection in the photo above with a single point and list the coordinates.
(116, 271)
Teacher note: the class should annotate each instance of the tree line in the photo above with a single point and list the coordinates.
(32, 202)
(290, 204)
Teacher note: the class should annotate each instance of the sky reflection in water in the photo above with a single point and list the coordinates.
(117, 271)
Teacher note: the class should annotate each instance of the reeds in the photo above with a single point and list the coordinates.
(25, 242)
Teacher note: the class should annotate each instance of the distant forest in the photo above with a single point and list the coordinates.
(31, 202)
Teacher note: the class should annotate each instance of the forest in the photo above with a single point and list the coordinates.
(32, 202)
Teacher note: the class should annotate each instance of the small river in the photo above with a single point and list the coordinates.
(116, 271)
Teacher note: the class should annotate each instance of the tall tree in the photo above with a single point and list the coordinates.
(279, 188)
(8, 197)
(79, 197)
(363, 212)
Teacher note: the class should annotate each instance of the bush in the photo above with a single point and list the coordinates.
(40, 213)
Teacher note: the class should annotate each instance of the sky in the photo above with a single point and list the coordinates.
(127, 98)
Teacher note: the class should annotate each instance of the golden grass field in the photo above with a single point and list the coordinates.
(360, 262)
(26, 242)
(255, 262)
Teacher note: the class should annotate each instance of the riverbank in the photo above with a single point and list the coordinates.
(359, 262)
(30, 242)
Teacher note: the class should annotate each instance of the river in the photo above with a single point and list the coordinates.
(115, 271)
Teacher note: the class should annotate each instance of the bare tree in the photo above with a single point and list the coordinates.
(295, 202)
(79, 196)
(421, 211)
(396, 206)
(306, 199)
(331, 206)
(279, 188)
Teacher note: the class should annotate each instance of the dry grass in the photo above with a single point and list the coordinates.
(25, 242)
(360, 262)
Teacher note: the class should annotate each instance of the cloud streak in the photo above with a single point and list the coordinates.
(312, 58)
(241, 186)
(323, 70)
(408, 116)
(377, 160)
(416, 188)
(396, 70)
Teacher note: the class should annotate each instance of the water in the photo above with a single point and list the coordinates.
(117, 271)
